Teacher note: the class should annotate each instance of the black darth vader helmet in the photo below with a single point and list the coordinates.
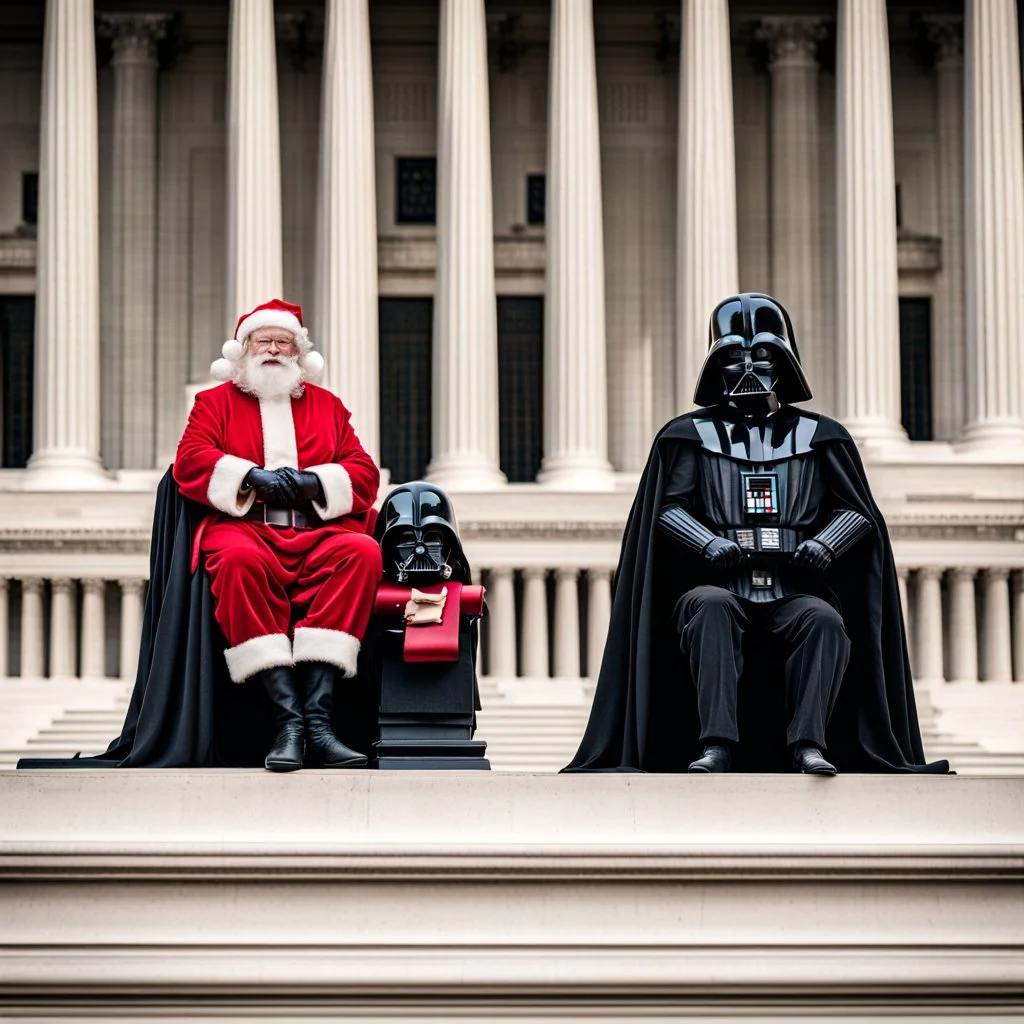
(752, 356)
(419, 536)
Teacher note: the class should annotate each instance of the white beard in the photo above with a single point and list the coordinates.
(270, 380)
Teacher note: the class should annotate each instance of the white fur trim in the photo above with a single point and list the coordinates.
(232, 350)
(329, 645)
(222, 492)
(279, 447)
(252, 656)
(272, 318)
(337, 485)
(312, 364)
(223, 369)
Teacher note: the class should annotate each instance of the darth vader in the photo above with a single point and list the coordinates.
(756, 622)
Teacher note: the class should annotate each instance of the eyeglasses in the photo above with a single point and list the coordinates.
(262, 343)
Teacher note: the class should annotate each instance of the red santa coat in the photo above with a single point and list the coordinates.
(259, 573)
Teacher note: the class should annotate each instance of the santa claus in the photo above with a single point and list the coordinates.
(288, 487)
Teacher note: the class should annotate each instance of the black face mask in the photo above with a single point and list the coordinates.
(747, 371)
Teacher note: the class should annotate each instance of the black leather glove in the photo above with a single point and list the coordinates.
(270, 486)
(723, 553)
(813, 555)
(307, 485)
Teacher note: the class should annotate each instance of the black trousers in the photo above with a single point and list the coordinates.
(711, 622)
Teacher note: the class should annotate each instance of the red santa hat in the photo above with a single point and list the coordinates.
(275, 313)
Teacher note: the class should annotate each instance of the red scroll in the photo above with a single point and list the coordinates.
(438, 641)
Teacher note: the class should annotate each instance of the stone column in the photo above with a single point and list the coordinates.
(928, 665)
(706, 253)
(575, 378)
(1018, 626)
(994, 227)
(599, 609)
(867, 290)
(131, 625)
(31, 627)
(62, 662)
(465, 393)
(93, 630)
(946, 32)
(67, 338)
(997, 625)
(534, 635)
(795, 205)
(963, 640)
(501, 631)
(131, 394)
(254, 272)
(567, 623)
(346, 261)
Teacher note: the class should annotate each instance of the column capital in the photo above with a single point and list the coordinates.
(535, 572)
(792, 41)
(131, 584)
(31, 584)
(997, 573)
(946, 33)
(60, 585)
(93, 585)
(501, 572)
(964, 571)
(567, 572)
(930, 572)
(134, 36)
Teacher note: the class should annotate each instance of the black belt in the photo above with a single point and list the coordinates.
(274, 516)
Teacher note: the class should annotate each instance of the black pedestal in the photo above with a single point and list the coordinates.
(428, 709)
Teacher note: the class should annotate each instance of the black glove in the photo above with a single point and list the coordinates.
(270, 486)
(723, 553)
(813, 555)
(307, 485)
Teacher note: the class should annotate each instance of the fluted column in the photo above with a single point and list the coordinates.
(130, 404)
(867, 315)
(1018, 626)
(795, 207)
(963, 640)
(254, 272)
(31, 627)
(501, 626)
(575, 382)
(997, 625)
(93, 630)
(61, 612)
(346, 263)
(599, 609)
(706, 253)
(567, 623)
(928, 665)
(465, 402)
(946, 32)
(534, 639)
(131, 625)
(4, 627)
(67, 337)
(994, 227)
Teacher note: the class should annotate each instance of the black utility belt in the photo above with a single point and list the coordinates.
(765, 540)
(272, 515)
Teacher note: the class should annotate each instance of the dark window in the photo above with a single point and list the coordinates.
(916, 367)
(536, 198)
(521, 385)
(30, 198)
(417, 190)
(405, 388)
(17, 328)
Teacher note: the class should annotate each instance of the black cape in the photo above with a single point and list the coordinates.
(644, 715)
(184, 711)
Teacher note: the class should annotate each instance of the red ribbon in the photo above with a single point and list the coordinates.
(438, 641)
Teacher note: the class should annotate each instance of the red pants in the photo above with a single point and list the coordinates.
(263, 576)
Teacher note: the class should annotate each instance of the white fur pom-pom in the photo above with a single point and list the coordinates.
(232, 350)
(312, 364)
(223, 369)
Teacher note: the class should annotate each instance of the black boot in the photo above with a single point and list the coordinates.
(286, 753)
(717, 757)
(323, 748)
(810, 760)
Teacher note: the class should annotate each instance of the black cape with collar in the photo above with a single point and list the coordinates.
(644, 715)
(185, 712)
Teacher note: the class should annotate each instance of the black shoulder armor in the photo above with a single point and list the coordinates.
(775, 440)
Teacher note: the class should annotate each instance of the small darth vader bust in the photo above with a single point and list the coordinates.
(419, 537)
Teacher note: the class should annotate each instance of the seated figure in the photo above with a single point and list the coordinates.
(285, 488)
(756, 620)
